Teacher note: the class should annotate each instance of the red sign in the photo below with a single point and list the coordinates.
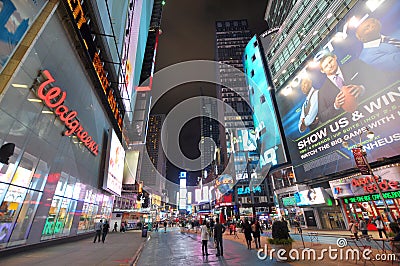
(369, 185)
(53, 98)
(360, 160)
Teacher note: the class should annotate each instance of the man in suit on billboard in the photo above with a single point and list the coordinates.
(344, 85)
(380, 51)
(309, 110)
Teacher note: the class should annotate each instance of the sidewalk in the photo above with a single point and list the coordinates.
(326, 240)
(118, 249)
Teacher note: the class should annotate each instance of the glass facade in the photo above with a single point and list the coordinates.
(49, 189)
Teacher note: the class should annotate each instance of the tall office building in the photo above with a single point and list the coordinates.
(210, 131)
(231, 38)
(154, 166)
(277, 11)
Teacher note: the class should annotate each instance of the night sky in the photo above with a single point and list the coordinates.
(189, 34)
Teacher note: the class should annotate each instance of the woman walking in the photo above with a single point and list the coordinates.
(204, 238)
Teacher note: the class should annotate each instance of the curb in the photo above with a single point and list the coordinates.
(135, 258)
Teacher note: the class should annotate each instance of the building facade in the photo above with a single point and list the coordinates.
(61, 112)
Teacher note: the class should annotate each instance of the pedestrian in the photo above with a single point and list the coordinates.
(204, 238)
(353, 229)
(98, 227)
(219, 230)
(156, 227)
(297, 226)
(257, 231)
(106, 228)
(246, 229)
(165, 226)
(121, 228)
(362, 226)
(115, 227)
(211, 228)
(380, 226)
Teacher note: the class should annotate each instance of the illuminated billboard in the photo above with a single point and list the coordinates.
(115, 166)
(313, 196)
(242, 140)
(350, 83)
(266, 129)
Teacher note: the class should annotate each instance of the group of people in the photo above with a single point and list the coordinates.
(215, 230)
(362, 226)
(101, 231)
(250, 230)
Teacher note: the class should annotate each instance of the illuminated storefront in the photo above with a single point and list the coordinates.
(50, 188)
(360, 197)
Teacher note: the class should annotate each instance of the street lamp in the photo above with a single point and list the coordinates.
(253, 208)
(364, 162)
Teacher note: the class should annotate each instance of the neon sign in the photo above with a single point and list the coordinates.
(109, 92)
(246, 190)
(53, 98)
(369, 186)
(372, 197)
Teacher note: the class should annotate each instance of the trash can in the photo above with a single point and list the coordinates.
(144, 231)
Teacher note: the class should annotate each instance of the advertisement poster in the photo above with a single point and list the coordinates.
(349, 86)
(16, 18)
(266, 130)
(113, 182)
(314, 196)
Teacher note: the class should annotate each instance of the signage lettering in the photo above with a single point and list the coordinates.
(369, 186)
(79, 16)
(246, 190)
(54, 98)
(374, 197)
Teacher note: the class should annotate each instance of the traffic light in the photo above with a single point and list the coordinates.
(6, 151)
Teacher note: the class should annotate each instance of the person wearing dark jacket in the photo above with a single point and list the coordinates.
(246, 229)
(257, 231)
(219, 230)
(106, 228)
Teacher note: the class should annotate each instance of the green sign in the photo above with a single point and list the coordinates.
(374, 197)
(289, 201)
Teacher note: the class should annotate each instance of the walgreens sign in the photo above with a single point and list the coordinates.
(53, 98)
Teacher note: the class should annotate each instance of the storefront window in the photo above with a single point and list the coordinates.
(9, 210)
(25, 218)
(51, 226)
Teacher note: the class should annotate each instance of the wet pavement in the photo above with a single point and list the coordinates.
(176, 248)
(118, 249)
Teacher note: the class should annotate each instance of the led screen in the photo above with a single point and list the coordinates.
(309, 197)
(352, 83)
(265, 122)
(115, 169)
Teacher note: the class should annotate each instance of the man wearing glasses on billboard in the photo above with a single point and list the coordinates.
(380, 51)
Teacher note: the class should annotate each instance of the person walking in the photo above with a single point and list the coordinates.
(106, 228)
(353, 229)
(362, 226)
(115, 227)
(380, 226)
(219, 230)
(246, 229)
(204, 238)
(257, 231)
(165, 226)
(98, 227)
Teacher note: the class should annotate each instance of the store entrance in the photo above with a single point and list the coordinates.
(310, 218)
(335, 220)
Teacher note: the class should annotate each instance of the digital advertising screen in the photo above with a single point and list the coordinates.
(266, 130)
(115, 167)
(348, 87)
(313, 196)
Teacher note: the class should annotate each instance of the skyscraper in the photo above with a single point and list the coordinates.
(154, 166)
(231, 39)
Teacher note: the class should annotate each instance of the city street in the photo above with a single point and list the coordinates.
(176, 248)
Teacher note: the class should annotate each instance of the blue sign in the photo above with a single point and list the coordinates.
(246, 190)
